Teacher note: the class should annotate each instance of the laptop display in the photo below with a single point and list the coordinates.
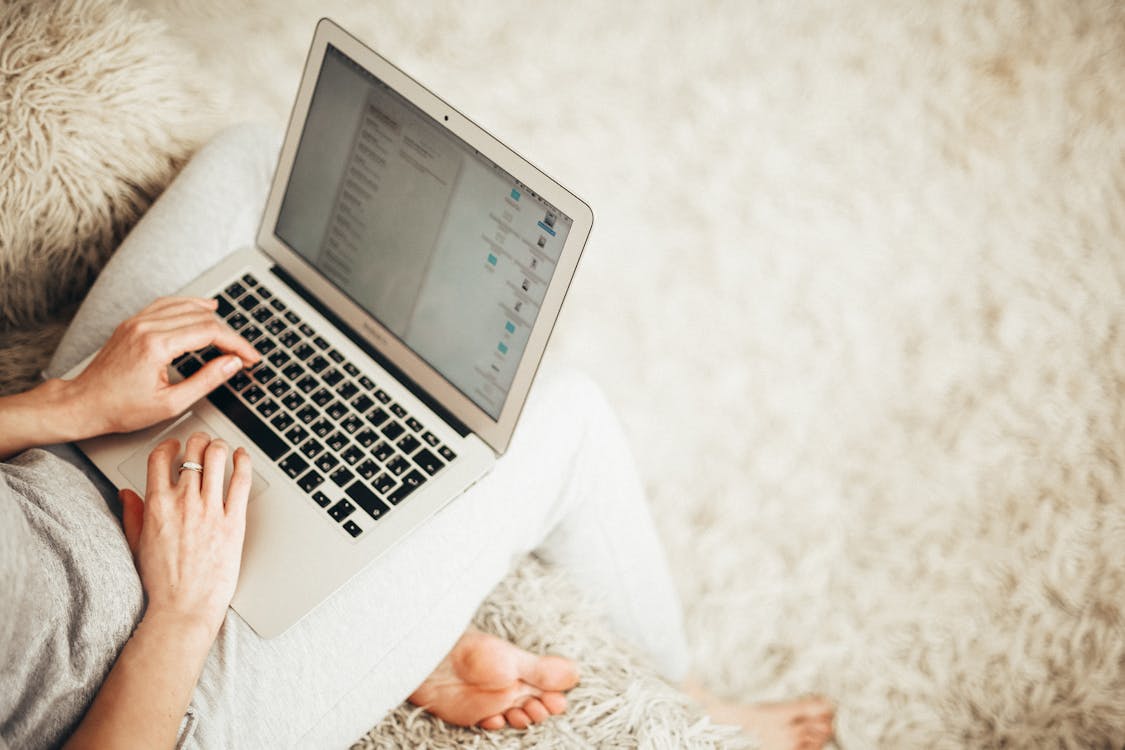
(444, 248)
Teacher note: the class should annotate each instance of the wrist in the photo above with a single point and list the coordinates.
(191, 632)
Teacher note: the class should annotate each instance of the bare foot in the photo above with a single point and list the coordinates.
(488, 682)
(804, 724)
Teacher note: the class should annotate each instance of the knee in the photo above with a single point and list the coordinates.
(250, 148)
(581, 398)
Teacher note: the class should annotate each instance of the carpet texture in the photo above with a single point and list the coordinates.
(856, 287)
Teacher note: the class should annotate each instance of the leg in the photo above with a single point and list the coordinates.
(211, 209)
(567, 482)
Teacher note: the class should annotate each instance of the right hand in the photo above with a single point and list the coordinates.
(187, 534)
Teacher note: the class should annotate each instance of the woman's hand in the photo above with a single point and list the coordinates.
(126, 386)
(187, 534)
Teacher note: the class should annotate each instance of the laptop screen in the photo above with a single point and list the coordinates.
(444, 248)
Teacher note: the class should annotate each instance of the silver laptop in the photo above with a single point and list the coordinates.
(408, 271)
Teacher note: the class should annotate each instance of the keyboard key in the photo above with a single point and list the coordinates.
(336, 410)
(320, 342)
(293, 401)
(383, 451)
(367, 382)
(335, 356)
(265, 346)
(264, 374)
(447, 454)
(262, 314)
(351, 369)
(268, 408)
(338, 441)
(367, 500)
(368, 469)
(318, 363)
(237, 320)
(289, 338)
(249, 280)
(257, 430)
(277, 304)
(326, 462)
(408, 444)
(383, 396)
(293, 465)
(307, 330)
(310, 481)
(248, 302)
(275, 326)
(341, 476)
(397, 465)
(251, 333)
(352, 455)
(278, 388)
(209, 354)
(398, 411)
(377, 417)
(235, 289)
(279, 358)
(410, 482)
(253, 394)
(293, 371)
(352, 528)
(311, 448)
(322, 397)
(351, 424)
(393, 430)
(384, 484)
(239, 381)
(308, 414)
(414, 424)
(303, 351)
(321, 427)
(292, 317)
(366, 438)
(189, 367)
(332, 377)
(225, 308)
(297, 434)
(431, 439)
(282, 421)
(430, 463)
(347, 389)
(264, 293)
(341, 509)
(321, 499)
(307, 383)
(362, 403)
(178, 360)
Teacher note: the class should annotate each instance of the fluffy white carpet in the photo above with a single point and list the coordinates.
(855, 284)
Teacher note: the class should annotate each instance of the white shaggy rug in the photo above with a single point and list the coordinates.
(855, 284)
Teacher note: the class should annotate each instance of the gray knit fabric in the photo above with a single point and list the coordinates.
(70, 593)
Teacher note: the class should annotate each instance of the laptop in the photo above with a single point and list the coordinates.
(406, 276)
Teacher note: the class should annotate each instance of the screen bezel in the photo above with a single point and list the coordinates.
(496, 433)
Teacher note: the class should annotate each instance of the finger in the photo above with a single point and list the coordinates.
(492, 722)
(190, 338)
(193, 451)
(517, 718)
(132, 519)
(210, 376)
(238, 493)
(162, 304)
(160, 466)
(175, 318)
(214, 472)
(535, 710)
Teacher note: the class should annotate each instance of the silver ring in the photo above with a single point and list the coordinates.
(191, 466)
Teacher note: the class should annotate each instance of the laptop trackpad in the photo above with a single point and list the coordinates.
(135, 468)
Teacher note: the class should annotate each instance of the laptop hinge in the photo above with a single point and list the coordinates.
(372, 352)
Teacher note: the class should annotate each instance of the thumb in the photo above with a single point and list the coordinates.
(132, 518)
(211, 376)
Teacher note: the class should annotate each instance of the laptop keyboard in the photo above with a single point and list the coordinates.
(342, 439)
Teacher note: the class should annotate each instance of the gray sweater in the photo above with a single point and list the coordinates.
(69, 598)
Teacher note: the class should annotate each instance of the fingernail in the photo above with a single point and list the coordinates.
(232, 365)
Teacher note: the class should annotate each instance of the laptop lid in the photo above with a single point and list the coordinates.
(434, 242)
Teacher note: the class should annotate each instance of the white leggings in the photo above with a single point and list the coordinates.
(567, 488)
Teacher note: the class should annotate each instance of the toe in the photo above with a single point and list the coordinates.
(517, 718)
(535, 710)
(493, 722)
(555, 702)
(548, 672)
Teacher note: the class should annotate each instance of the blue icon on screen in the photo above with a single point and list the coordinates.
(510, 327)
(492, 259)
(515, 194)
(503, 348)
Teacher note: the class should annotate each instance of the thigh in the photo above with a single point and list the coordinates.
(212, 208)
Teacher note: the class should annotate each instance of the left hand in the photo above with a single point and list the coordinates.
(126, 386)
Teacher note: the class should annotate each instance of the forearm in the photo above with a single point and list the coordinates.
(143, 700)
(47, 414)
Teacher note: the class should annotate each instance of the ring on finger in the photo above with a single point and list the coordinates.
(191, 466)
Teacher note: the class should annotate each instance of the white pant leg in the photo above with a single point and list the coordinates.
(567, 485)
